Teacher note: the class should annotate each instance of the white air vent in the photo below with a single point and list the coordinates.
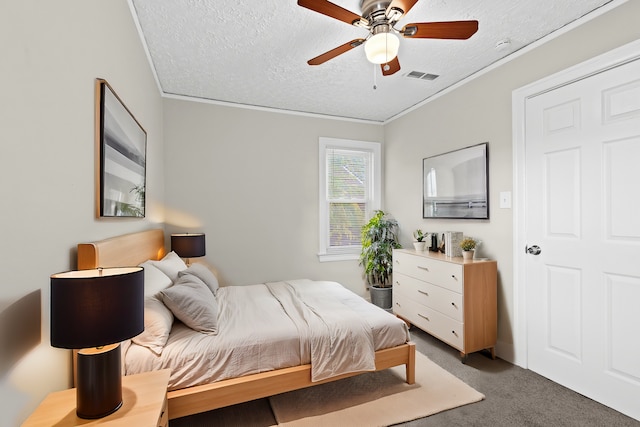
(422, 76)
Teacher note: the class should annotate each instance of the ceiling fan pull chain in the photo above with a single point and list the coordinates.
(374, 78)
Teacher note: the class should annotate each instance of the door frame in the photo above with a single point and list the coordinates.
(616, 57)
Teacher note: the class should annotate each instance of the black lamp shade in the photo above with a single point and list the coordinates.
(188, 245)
(93, 308)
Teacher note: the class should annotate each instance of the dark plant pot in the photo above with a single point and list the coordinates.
(381, 297)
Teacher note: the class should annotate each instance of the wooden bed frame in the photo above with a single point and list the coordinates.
(133, 249)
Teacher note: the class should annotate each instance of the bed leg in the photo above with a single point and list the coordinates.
(411, 364)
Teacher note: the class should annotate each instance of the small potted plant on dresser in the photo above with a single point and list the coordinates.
(468, 246)
(379, 238)
(420, 244)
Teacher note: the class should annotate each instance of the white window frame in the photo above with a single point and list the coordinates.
(373, 202)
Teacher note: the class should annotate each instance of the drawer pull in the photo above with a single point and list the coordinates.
(423, 292)
(424, 317)
(454, 333)
(398, 304)
(423, 268)
(454, 304)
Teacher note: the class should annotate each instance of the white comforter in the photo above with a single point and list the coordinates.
(276, 325)
(340, 341)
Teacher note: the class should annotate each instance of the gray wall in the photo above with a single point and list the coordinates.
(480, 111)
(51, 54)
(249, 180)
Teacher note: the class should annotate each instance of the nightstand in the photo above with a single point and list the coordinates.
(144, 405)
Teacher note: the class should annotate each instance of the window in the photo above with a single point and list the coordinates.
(349, 193)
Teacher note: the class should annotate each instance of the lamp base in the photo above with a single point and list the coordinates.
(99, 382)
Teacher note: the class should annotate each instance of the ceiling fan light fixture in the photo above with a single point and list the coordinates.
(382, 47)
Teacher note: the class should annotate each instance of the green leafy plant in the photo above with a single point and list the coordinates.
(468, 244)
(419, 235)
(379, 238)
(134, 210)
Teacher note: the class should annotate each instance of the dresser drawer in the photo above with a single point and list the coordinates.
(443, 300)
(429, 320)
(445, 274)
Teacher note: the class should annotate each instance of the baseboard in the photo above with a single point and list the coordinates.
(506, 351)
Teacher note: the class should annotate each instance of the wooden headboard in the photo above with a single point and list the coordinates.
(122, 251)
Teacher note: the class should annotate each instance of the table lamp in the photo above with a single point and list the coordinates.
(93, 311)
(188, 245)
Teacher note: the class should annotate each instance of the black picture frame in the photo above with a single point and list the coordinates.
(456, 184)
(121, 147)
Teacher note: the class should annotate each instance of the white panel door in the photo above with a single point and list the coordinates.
(582, 144)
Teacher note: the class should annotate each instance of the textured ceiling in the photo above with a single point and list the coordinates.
(255, 52)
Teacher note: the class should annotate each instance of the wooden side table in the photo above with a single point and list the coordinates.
(144, 405)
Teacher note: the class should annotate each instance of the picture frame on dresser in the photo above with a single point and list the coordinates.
(455, 184)
(121, 152)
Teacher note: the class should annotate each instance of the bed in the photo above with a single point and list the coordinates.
(192, 391)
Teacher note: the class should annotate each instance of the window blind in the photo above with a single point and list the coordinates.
(348, 181)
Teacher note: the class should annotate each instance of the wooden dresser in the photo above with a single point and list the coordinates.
(454, 300)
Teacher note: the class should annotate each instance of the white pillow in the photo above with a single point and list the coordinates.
(192, 302)
(158, 320)
(204, 274)
(170, 265)
(154, 279)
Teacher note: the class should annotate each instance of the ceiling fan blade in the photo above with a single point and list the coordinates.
(404, 5)
(391, 67)
(460, 30)
(332, 10)
(335, 52)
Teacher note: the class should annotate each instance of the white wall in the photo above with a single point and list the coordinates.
(480, 111)
(51, 53)
(249, 180)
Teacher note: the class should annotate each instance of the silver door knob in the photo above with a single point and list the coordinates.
(533, 250)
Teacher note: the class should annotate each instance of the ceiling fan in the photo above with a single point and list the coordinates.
(382, 43)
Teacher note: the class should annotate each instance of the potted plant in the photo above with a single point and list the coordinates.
(468, 246)
(419, 244)
(379, 238)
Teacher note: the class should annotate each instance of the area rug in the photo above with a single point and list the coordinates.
(372, 399)
(375, 399)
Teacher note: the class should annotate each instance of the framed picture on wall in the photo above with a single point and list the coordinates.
(121, 152)
(456, 184)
